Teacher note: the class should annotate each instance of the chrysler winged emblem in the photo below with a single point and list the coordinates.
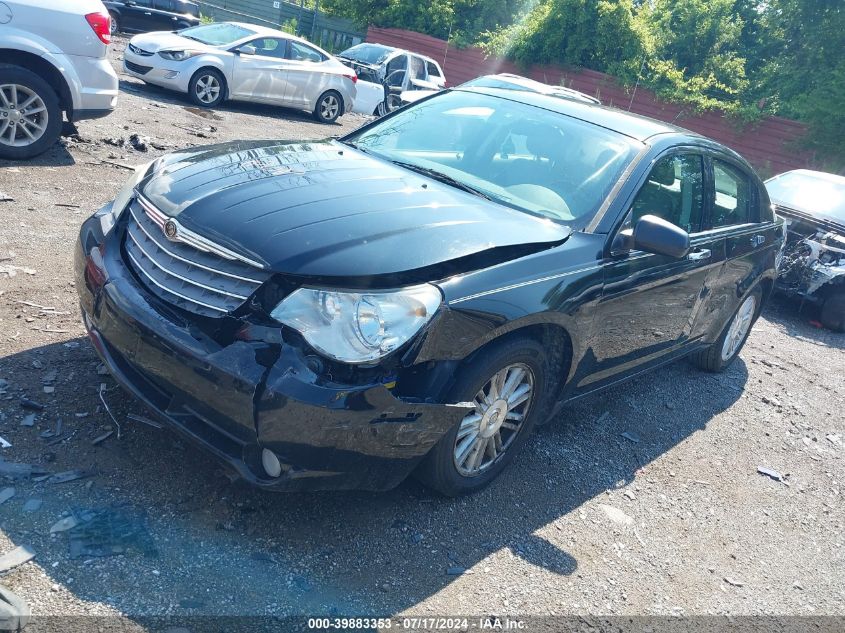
(170, 229)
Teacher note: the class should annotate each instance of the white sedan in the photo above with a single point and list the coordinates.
(244, 62)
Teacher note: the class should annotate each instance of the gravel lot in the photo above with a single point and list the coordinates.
(587, 521)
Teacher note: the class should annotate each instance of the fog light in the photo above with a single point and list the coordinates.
(271, 463)
(171, 74)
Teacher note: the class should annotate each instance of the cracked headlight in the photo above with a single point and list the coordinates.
(110, 214)
(358, 327)
(178, 56)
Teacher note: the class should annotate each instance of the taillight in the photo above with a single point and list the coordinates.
(101, 23)
(353, 77)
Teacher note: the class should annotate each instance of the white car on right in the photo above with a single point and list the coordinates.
(384, 72)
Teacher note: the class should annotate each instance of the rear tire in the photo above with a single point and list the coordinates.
(445, 469)
(832, 314)
(32, 133)
(329, 107)
(719, 356)
(207, 88)
(114, 24)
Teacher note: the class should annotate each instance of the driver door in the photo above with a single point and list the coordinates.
(650, 302)
(264, 75)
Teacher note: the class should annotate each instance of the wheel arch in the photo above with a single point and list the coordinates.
(434, 378)
(45, 70)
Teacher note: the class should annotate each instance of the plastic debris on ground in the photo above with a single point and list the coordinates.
(108, 532)
(17, 557)
(14, 611)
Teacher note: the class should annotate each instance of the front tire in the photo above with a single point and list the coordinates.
(508, 383)
(719, 356)
(329, 107)
(207, 88)
(30, 115)
(114, 24)
(832, 314)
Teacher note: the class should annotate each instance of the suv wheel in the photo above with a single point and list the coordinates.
(30, 116)
(508, 385)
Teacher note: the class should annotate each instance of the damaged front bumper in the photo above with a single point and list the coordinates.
(239, 399)
(813, 259)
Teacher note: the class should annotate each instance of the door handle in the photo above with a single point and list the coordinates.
(697, 256)
(147, 13)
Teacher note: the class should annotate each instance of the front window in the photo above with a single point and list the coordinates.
(816, 193)
(673, 191)
(534, 160)
(220, 34)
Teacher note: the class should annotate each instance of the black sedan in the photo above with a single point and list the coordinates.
(141, 16)
(812, 268)
(416, 296)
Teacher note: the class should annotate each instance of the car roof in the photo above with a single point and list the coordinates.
(820, 175)
(539, 86)
(267, 31)
(633, 125)
(394, 49)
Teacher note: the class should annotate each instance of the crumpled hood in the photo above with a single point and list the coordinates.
(165, 40)
(325, 209)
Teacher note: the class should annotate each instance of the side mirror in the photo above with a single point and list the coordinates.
(246, 49)
(655, 235)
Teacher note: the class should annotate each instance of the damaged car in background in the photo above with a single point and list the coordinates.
(415, 296)
(812, 204)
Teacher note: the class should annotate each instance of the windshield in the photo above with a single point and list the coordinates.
(373, 54)
(217, 34)
(822, 194)
(528, 158)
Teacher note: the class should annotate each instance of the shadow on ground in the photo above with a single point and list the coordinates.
(226, 548)
(799, 319)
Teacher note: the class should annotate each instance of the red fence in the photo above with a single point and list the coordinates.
(768, 144)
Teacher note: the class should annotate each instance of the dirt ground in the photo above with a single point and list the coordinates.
(672, 518)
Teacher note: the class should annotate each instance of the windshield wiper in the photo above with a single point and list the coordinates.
(196, 39)
(444, 178)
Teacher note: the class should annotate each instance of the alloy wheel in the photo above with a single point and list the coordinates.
(501, 407)
(23, 115)
(739, 327)
(207, 88)
(329, 107)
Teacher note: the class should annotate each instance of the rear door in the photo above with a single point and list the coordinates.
(264, 75)
(164, 15)
(307, 78)
(736, 215)
(137, 16)
(650, 302)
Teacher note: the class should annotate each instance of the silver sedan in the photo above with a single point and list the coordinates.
(244, 62)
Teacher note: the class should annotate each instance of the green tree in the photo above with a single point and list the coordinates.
(695, 51)
(462, 19)
(596, 34)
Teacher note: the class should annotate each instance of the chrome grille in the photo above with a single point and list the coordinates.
(140, 51)
(202, 281)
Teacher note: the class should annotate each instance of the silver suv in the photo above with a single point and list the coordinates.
(52, 60)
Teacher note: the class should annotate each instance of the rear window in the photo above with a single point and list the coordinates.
(433, 70)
